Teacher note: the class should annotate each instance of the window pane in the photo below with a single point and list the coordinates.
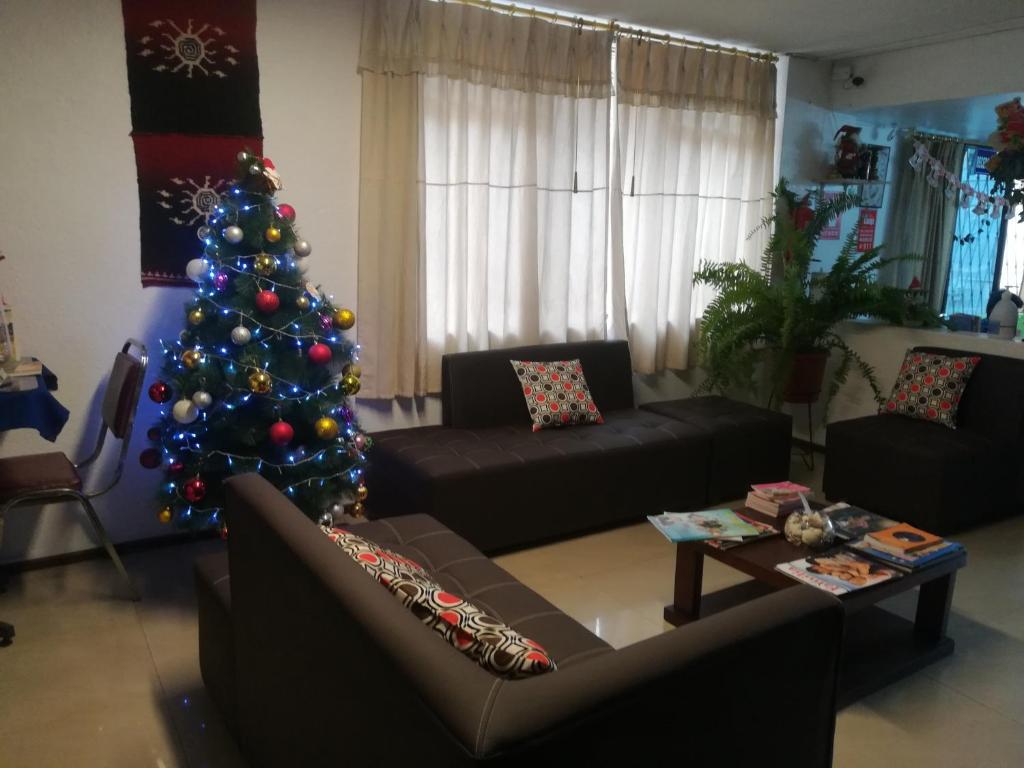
(975, 244)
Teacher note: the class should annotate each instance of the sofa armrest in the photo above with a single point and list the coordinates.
(757, 682)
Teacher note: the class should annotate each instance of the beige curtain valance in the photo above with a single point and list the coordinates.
(654, 74)
(524, 53)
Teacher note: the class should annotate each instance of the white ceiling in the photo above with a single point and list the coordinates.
(832, 29)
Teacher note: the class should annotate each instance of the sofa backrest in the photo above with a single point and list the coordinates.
(993, 401)
(480, 389)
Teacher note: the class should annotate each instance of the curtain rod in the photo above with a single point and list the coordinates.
(938, 137)
(613, 26)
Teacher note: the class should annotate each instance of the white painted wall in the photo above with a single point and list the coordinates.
(972, 66)
(70, 212)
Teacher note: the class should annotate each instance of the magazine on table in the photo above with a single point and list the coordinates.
(838, 571)
(700, 526)
(763, 531)
(853, 522)
(910, 561)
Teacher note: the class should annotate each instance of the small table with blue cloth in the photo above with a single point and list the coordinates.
(26, 407)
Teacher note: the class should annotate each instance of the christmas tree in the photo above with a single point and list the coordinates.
(259, 379)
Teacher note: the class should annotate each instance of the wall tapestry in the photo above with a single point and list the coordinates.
(194, 83)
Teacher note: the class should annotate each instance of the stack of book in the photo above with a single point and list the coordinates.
(905, 547)
(777, 499)
(838, 571)
(700, 526)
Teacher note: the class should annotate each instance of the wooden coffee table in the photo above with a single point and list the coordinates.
(879, 647)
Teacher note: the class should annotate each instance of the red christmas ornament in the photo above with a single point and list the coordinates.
(281, 433)
(319, 354)
(267, 301)
(150, 458)
(153, 434)
(195, 490)
(159, 392)
(286, 212)
(176, 467)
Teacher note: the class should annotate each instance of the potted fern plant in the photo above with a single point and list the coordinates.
(771, 330)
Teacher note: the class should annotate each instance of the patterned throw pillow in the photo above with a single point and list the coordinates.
(556, 393)
(929, 387)
(490, 642)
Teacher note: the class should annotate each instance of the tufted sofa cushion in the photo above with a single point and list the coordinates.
(507, 486)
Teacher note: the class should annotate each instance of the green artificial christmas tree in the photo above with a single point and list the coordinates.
(259, 379)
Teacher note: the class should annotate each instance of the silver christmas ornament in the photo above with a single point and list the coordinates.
(202, 399)
(302, 248)
(242, 156)
(233, 234)
(241, 336)
(185, 412)
(326, 519)
(203, 232)
(196, 269)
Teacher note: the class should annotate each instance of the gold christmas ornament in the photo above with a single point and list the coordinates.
(265, 264)
(350, 384)
(302, 303)
(165, 515)
(196, 316)
(357, 510)
(191, 358)
(352, 369)
(260, 382)
(362, 493)
(344, 319)
(326, 428)
(273, 234)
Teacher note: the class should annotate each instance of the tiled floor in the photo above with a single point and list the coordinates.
(95, 680)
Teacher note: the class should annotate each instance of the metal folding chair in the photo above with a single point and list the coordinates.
(48, 477)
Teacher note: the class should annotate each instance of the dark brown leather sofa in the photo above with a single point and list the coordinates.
(315, 664)
(486, 475)
(940, 479)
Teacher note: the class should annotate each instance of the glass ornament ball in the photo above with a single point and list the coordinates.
(175, 467)
(260, 382)
(302, 303)
(344, 319)
(326, 520)
(241, 335)
(264, 264)
(319, 354)
(354, 369)
(358, 510)
(350, 384)
(150, 458)
(221, 281)
(233, 234)
(165, 515)
(202, 399)
(281, 433)
(359, 441)
(302, 248)
(243, 156)
(326, 322)
(196, 316)
(326, 428)
(203, 232)
(267, 302)
(223, 531)
(153, 434)
(196, 269)
(272, 234)
(159, 392)
(212, 250)
(286, 212)
(191, 358)
(185, 412)
(362, 493)
(195, 490)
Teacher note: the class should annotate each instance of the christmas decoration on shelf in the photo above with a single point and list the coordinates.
(1006, 166)
(984, 204)
(259, 379)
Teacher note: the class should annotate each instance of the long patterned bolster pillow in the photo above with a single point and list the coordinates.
(490, 642)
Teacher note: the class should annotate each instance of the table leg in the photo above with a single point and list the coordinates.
(689, 577)
(933, 602)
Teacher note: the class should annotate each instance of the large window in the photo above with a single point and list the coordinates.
(988, 253)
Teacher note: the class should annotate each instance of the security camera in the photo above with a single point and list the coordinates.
(856, 81)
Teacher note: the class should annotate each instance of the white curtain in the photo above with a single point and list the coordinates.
(496, 207)
(512, 115)
(696, 139)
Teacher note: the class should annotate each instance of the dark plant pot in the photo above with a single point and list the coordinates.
(805, 377)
